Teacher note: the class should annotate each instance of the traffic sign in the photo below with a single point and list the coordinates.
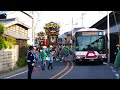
(90, 55)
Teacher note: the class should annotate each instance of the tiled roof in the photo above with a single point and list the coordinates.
(15, 35)
(7, 21)
(12, 21)
(3, 12)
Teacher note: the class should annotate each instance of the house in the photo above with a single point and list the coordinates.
(19, 31)
(24, 17)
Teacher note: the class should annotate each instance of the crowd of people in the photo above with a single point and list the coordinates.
(40, 56)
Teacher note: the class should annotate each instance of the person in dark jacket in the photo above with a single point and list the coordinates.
(116, 51)
(117, 59)
(30, 61)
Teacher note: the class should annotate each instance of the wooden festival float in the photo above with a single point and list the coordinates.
(52, 32)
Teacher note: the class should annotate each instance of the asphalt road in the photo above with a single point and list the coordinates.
(78, 71)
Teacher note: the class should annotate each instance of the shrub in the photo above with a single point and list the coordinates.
(1, 43)
(22, 62)
(12, 40)
(1, 29)
(28, 45)
(6, 44)
(10, 45)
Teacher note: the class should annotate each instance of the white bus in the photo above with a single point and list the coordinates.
(90, 45)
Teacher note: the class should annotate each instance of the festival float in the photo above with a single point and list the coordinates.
(52, 32)
(41, 38)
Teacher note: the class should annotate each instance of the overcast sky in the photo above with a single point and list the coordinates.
(64, 18)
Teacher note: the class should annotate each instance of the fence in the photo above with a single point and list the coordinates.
(8, 58)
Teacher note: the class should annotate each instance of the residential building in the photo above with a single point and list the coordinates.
(19, 31)
(24, 17)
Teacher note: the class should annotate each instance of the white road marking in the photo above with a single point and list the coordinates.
(114, 71)
(117, 75)
(15, 74)
(111, 67)
(105, 63)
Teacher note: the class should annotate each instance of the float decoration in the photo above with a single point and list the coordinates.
(52, 26)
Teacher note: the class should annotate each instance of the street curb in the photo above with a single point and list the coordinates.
(13, 72)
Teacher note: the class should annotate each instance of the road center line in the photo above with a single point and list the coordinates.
(67, 71)
(16, 74)
(61, 71)
(117, 75)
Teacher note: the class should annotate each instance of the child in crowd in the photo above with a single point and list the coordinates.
(51, 60)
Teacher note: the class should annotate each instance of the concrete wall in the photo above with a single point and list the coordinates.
(8, 58)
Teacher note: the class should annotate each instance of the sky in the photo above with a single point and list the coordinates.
(65, 18)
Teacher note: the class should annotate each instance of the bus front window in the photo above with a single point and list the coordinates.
(85, 43)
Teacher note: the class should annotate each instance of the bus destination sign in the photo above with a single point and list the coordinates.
(91, 33)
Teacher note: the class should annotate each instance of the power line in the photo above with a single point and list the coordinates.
(37, 19)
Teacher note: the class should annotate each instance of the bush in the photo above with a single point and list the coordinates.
(1, 29)
(12, 40)
(22, 62)
(1, 43)
(28, 45)
(6, 44)
(10, 45)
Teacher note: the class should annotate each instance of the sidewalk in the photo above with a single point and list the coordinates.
(12, 72)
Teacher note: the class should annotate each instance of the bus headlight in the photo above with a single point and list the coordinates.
(104, 56)
(78, 57)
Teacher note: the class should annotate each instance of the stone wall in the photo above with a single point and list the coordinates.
(8, 58)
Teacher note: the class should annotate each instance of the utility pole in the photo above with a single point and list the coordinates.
(72, 32)
(83, 13)
(72, 27)
(82, 19)
(33, 28)
(108, 35)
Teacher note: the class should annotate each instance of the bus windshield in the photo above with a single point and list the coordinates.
(90, 42)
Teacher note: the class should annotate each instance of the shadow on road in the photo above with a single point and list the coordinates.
(87, 64)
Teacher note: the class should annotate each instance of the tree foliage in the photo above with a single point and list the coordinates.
(2, 28)
(5, 43)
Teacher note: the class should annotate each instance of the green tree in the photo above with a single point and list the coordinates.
(2, 28)
(3, 43)
(1, 33)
